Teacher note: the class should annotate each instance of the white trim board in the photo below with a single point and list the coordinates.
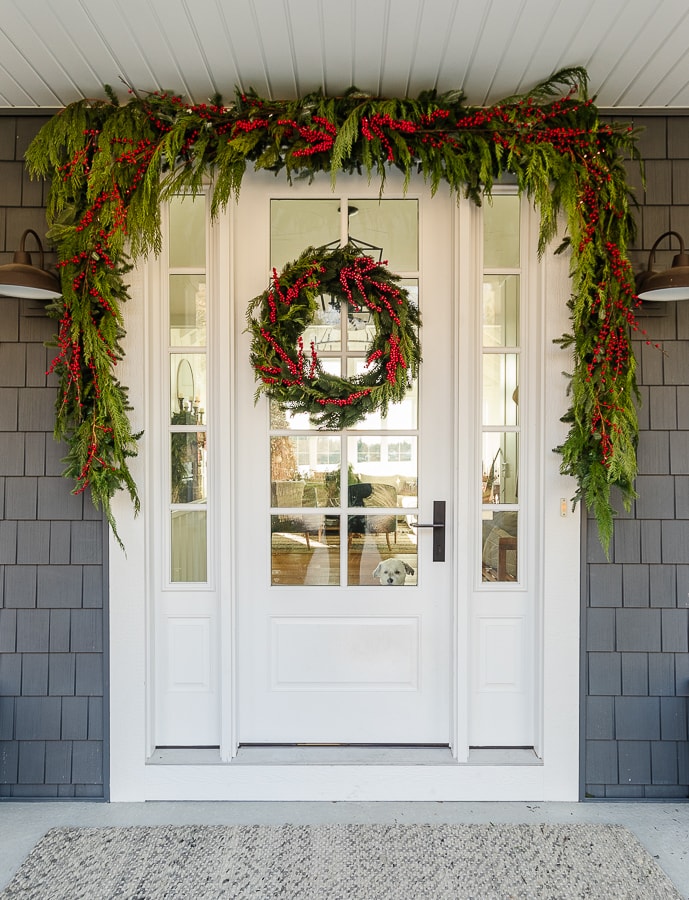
(555, 776)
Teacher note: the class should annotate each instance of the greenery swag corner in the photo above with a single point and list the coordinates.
(112, 165)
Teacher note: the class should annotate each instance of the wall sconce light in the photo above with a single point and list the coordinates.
(673, 283)
(22, 279)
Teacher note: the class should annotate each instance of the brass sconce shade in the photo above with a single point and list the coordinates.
(22, 279)
(673, 283)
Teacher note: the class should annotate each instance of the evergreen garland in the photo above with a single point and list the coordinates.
(112, 166)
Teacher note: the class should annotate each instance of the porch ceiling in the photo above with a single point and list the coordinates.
(56, 51)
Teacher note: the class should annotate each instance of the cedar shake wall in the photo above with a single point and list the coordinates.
(51, 542)
(636, 606)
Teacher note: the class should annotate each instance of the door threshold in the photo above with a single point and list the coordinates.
(504, 756)
(343, 754)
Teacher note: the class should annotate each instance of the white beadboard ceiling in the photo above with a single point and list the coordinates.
(55, 51)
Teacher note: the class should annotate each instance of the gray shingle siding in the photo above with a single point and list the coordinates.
(636, 605)
(51, 547)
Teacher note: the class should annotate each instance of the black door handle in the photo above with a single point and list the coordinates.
(438, 526)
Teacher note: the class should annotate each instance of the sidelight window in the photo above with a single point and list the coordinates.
(501, 340)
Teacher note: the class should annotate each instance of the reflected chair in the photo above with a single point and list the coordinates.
(290, 494)
(371, 496)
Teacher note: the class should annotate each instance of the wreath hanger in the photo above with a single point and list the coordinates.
(356, 242)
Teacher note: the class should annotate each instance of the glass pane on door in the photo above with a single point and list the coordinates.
(187, 333)
(341, 503)
(500, 376)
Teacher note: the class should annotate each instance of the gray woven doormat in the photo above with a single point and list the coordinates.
(342, 862)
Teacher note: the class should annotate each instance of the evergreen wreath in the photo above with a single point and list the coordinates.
(112, 165)
(295, 378)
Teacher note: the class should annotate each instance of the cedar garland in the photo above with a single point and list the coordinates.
(112, 166)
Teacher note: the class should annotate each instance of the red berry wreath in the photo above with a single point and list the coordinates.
(293, 376)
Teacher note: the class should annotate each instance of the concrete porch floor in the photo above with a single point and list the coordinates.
(662, 828)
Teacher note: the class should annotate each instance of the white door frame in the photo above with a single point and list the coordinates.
(138, 773)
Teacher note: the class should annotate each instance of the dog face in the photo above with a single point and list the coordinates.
(392, 571)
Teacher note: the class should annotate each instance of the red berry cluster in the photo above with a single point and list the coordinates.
(368, 288)
(395, 359)
(343, 401)
(318, 141)
(372, 128)
(69, 360)
(82, 157)
(285, 357)
(92, 457)
(291, 293)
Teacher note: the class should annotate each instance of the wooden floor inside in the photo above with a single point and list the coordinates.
(317, 562)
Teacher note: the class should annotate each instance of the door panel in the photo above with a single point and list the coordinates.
(345, 654)
(333, 645)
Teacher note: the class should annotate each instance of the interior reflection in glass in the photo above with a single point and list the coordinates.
(343, 501)
(187, 247)
(298, 224)
(188, 466)
(305, 547)
(392, 226)
(501, 231)
(382, 550)
(188, 557)
(187, 389)
(499, 545)
(500, 469)
(188, 311)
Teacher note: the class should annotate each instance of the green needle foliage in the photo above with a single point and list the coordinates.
(112, 166)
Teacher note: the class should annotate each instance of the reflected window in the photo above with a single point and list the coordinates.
(187, 310)
(501, 244)
(368, 450)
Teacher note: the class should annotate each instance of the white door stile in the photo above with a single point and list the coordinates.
(559, 686)
(466, 376)
(132, 622)
(542, 394)
(224, 339)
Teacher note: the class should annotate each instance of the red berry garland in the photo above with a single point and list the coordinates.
(296, 380)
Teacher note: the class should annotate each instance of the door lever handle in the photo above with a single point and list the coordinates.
(438, 526)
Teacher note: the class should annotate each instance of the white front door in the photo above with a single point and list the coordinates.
(328, 650)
